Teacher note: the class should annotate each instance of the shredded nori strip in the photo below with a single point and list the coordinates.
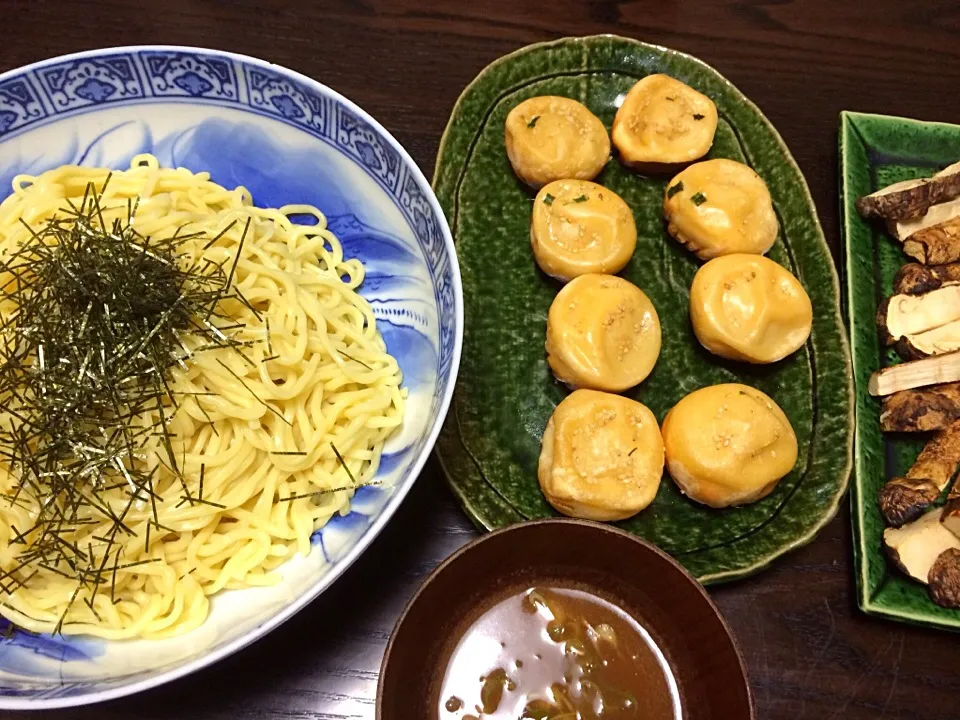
(100, 316)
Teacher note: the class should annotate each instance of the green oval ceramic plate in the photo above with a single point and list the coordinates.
(505, 392)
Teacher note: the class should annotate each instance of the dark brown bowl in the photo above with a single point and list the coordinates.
(635, 575)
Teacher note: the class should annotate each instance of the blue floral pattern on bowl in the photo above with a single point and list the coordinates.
(287, 139)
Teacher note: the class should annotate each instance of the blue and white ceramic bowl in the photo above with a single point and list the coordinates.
(289, 140)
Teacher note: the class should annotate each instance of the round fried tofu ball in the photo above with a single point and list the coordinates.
(602, 333)
(601, 458)
(579, 227)
(551, 138)
(728, 445)
(720, 207)
(663, 122)
(747, 307)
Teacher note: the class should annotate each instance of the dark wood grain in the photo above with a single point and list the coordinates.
(811, 655)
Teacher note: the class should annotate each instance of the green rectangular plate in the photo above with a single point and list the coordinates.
(875, 151)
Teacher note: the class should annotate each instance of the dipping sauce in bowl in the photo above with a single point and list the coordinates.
(551, 653)
(562, 619)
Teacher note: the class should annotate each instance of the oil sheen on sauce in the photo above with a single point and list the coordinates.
(557, 654)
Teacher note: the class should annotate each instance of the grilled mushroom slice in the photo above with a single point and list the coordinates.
(950, 517)
(935, 245)
(944, 579)
(915, 547)
(916, 279)
(929, 553)
(922, 325)
(915, 374)
(911, 198)
(936, 215)
(903, 499)
(921, 410)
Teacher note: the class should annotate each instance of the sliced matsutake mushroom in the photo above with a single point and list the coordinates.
(935, 245)
(944, 339)
(911, 198)
(933, 239)
(916, 279)
(903, 499)
(927, 324)
(915, 547)
(915, 374)
(921, 410)
(944, 579)
(951, 511)
(903, 315)
(944, 575)
(935, 215)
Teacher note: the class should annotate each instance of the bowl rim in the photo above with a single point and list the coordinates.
(593, 526)
(327, 578)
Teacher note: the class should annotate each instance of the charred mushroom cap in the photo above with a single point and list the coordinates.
(894, 557)
(936, 216)
(935, 245)
(921, 410)
(944, 579)
(916, 279)
(903, 500)
(885, 337)
(950, 516)
(908, 351)
(914, 547)
(911, 199)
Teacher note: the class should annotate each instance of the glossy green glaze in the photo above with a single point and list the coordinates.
(505, 394)
(875, 151)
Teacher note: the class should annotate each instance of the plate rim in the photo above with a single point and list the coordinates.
(864, 556)
(401, 491)
(844, 474)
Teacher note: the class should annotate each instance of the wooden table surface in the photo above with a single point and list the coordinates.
(809, 651)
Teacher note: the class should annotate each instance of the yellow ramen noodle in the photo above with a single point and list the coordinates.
(319, 381)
